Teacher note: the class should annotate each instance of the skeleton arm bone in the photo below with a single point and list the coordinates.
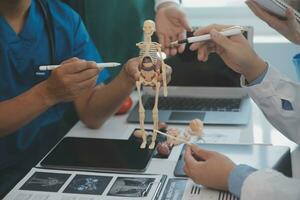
(164, 73)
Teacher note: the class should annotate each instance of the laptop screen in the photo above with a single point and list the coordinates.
(189, 72)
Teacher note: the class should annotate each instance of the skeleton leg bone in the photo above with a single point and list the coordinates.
(141, 115)
(155, 116)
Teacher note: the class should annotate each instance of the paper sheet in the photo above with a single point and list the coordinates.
(44, 184)
(186, 189)
(195, 192)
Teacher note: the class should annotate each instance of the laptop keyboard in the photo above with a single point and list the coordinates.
(198, 104)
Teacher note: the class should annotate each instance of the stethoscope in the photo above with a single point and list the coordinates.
(43, 5)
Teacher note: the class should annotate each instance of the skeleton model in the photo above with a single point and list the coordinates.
(151, 68)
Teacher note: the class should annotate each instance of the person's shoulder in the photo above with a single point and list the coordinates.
(63, 12)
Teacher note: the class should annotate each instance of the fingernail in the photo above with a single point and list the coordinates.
(199, 58)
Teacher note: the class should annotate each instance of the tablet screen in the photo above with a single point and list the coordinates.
(98, 154)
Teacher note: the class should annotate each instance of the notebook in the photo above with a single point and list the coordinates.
(277, 7)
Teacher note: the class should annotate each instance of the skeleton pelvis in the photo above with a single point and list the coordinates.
(148, 76)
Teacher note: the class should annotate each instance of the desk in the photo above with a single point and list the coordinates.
(258, 131)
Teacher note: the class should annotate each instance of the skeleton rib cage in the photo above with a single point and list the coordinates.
(149, 50)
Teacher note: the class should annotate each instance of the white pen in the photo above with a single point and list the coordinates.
(99, 65)
(231, 31)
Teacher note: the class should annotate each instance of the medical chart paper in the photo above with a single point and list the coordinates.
(45, 184)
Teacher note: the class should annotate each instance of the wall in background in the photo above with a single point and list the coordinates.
(279, 55)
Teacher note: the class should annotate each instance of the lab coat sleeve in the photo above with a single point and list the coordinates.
(270, 185)
(237, 178)
(271, 96)
(159, 2)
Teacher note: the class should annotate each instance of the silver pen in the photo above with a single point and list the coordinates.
(231, 31)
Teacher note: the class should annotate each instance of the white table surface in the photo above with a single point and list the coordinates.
(258, 131)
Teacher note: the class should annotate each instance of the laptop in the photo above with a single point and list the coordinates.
(209, 91)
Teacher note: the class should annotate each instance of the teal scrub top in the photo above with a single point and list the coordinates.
(115, 26)
(20, 56)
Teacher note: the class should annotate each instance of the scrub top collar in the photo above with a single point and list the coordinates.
(30, 31)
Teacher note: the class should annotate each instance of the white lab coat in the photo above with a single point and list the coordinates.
(269, 184)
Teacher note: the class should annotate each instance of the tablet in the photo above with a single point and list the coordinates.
(277, 7)
(256, 155)
(98, 155)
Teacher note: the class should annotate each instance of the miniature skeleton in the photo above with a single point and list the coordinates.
(196, 128)
(151, 68)
(176, 133)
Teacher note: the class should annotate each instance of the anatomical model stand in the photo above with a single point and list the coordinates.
(151, 68)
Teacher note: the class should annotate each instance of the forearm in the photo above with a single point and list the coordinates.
(19, 111)
(105, 100)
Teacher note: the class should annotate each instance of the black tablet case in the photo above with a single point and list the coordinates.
(91, 154)
(257, 156)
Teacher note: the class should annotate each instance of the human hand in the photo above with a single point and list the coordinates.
(289, 27)
(131, 69)
(70, 80)
(235, 51)
(171, 25)
(212, 171)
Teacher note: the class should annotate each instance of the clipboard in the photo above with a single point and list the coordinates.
(277, 7)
